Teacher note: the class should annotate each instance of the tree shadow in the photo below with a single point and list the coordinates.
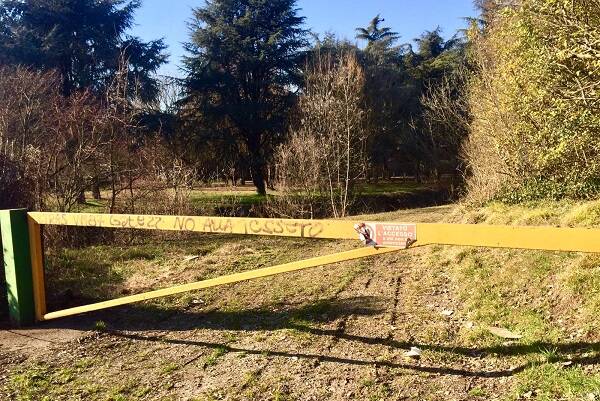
(138, 322)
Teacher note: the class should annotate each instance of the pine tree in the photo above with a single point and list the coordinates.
(85, 40)
(243, 70)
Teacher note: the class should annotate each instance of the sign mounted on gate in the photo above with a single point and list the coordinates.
(393, 235)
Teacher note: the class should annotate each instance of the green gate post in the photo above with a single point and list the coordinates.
(17, 266)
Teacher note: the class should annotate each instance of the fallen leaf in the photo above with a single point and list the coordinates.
(504, 333)
(413, 353)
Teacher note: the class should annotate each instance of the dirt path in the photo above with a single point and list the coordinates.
(350, 346)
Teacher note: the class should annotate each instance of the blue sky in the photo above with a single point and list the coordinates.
(167, 19)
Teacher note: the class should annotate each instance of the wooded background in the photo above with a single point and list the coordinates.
(507, 109)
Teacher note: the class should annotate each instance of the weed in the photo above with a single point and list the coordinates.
(380, 392)
(100, 325)
(214, 356)
(547, 382)
(367, 383)
(170, 368)
(549, 355)
(478, 392)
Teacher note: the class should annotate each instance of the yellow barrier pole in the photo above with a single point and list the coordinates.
(37, 268)
(479, 235)
(514, 237)
(229, 279)
(325, 229)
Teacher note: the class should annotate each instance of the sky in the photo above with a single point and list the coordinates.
(168, 19)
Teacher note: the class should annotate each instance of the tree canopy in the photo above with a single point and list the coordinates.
(86, 41)
(243, 70)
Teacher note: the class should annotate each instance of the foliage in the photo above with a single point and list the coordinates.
(84, 40)
(536, 103)
(400, 80)
(380, 40)
(243, 65)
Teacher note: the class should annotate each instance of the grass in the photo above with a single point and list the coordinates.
(551, 381)
(552, 299)
(170, 367)
(42, 382)
(390, 188)
(212, 359)
(203, 198)
(226, 199)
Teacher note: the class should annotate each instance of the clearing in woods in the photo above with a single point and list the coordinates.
(333, 333)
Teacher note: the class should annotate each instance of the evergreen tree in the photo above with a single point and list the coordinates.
(397, 79)
(242, 71)
(374, 34)
(85, 40)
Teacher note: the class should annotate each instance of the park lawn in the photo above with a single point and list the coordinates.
(213, 198)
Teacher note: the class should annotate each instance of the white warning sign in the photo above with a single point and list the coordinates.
(392, 234)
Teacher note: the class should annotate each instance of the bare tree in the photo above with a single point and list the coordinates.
(331, 136)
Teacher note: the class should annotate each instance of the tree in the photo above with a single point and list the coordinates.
(84, 40)
(325, 154)
(374, 34)
(535, 103)
(380, 41)
(397, 80)
(242, 73)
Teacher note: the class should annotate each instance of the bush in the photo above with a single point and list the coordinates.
(15, 186)
(325, 154)
(536, 103)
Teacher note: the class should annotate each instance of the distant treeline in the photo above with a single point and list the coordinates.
(509, 106)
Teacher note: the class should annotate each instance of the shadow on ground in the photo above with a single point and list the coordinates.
(147, 323)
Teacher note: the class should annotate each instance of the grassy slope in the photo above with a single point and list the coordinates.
(332, 333)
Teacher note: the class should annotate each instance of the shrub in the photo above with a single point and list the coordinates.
(536, 103)
(325, 154)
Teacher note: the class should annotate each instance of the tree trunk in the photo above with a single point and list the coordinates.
(258, 179)
(81, 197)
(257, 164)
(96, 189)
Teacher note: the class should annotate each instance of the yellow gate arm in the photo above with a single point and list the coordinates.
(479, 235)
(229, 279)
(384, 237)
(540, 238)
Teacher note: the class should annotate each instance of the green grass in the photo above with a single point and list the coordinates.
(390, 188)
(212, 359)
(41, 382)
(225, 198)
(551, 381)
(209, 200)
(169, 368)
(478, 392)
(100, 325)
